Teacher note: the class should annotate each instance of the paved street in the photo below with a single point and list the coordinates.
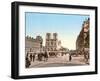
(59, 61)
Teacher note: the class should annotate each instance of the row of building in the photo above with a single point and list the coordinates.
(52, 44)
(33, 44)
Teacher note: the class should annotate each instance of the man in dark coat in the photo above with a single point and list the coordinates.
(28, 63)
(45, 56)
(70, 57)
(30, 57)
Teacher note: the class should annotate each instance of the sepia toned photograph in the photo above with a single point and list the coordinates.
(55, 40)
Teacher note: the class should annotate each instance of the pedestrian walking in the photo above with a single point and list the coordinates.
(45, 56)
(70, 57)
(30, 57)
(33, 57)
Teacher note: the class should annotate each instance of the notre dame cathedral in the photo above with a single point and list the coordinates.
(51, 42)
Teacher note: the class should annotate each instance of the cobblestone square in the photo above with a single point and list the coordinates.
(59, 61)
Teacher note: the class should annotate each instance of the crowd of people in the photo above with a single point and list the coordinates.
(43, 56)
(31, 57)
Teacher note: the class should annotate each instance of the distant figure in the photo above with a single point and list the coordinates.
(83, 51)
(70, 57)
(27, 54)
(40, 56)
(28, 63)
(45, 56)
(86, 57)
(33, 57)
(30, 57)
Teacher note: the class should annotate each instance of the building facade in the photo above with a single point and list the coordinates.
(33, 45)
(83, 37)
(51, 42)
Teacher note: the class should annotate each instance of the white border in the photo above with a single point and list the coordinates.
(53, 70)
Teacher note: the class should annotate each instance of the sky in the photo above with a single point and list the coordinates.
(67, 26)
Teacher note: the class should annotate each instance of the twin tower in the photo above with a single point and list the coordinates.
(50, 36)
(51, 42)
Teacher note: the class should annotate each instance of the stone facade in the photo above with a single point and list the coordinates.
(83, 37)
(51, 42)
(33, 45)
